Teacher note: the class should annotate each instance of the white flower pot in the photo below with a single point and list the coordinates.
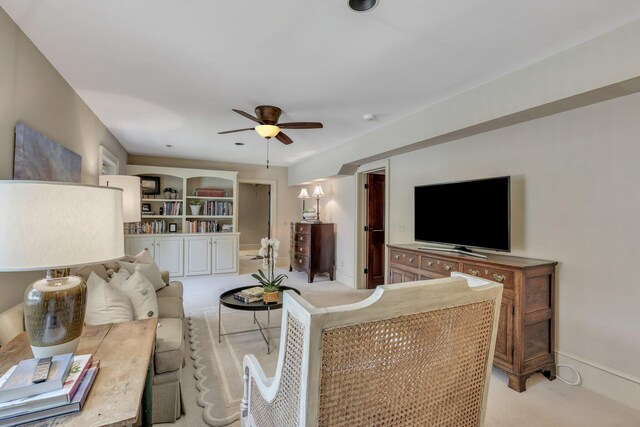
(195, 209)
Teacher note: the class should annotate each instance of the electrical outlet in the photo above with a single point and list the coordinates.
(401, 226)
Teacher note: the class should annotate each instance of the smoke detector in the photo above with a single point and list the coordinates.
(369, 117)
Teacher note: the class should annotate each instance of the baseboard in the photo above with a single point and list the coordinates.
(604, 380)
(344, 278)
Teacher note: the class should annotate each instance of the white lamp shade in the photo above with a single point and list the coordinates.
(267, 131)
(130, 186)
(303, 194)
(57, 225)
(317, 192)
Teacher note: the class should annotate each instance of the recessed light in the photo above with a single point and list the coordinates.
(239, 143)
(362, 5)
(169, 146)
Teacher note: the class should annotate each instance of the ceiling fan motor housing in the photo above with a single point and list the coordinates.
(268, 114)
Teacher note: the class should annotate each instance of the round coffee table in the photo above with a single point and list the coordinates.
(229, 301)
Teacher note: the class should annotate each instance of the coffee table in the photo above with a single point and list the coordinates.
(229, 301)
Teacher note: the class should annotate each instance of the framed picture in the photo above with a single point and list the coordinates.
(150, 185)
(146, 207)
(173, 227)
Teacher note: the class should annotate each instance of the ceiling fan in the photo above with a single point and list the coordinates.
(268, 127)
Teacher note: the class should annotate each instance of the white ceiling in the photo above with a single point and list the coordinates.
(160, 72)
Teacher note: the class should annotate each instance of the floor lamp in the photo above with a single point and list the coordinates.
(53, 226)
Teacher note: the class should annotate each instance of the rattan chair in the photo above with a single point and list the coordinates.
(412, 354)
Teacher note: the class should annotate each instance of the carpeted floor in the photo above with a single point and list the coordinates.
(545, 403)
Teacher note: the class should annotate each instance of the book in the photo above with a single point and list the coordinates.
(19, 384)
(246, 299)
(76, 404)
(256, 291)
(50, 399)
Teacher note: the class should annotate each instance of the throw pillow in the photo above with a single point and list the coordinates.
(105, 303)
(141, 293)
(144, 257)
(150, 271)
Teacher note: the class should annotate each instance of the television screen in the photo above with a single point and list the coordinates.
(470, 213)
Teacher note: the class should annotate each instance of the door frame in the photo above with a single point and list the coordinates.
(272, 201)
(361, 220)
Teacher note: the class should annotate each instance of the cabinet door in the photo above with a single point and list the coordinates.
(170, 255)
(225, 254)
(504, 340)
(401, 276)
(135, 245)
(197, 259)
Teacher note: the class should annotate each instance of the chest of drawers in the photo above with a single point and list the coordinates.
(525, 341)
(312, 249)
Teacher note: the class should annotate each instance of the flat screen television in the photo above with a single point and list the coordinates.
(465, 214)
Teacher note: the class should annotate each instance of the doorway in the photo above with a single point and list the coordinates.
(254, 219)
(372, 224)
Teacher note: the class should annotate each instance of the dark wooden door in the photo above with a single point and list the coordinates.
(375, 230)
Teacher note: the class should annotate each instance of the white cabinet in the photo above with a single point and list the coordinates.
(167, 251)
(197, 258)
(225, 254)
(169, 254)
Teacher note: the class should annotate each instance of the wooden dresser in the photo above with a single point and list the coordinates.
(526, 336)
(312, 248)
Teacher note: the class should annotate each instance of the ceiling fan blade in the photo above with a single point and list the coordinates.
(283, 138)
(247, 115)
(236, 130)
(300, 125)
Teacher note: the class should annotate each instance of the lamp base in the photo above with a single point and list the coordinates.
(54, 314)
(55, 350)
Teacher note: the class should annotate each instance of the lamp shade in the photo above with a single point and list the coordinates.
(317, 192)
(130, 186)
(57, 225)
(303, 194)
(267, 131)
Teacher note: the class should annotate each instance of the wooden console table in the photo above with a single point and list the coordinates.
(124, 351)
(526, 336)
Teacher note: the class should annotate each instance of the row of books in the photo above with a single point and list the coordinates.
(250, 295)
(171, 208)
(151, 227)
(209, 192)
(217, 208)
(63, 392)
(202, 226)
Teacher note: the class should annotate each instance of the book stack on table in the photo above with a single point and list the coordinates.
(249, 295)
(63, 392)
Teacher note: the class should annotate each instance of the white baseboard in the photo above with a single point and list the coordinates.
(604, 380)
(343, 277)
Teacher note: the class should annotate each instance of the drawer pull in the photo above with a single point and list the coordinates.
(474, 272)
(396, 256)
(300, 250)
(301, 238)
(410, 259)
(429, 263)
(299, 261)
(447, 267)
(499, 277)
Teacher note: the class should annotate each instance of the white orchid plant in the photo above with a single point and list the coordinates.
(269, 253)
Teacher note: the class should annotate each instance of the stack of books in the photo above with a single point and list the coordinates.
(63, 392)
(250, 295)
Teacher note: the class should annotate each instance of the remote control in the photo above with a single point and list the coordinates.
(42, 370)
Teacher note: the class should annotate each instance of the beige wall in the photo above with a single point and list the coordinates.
(287, 202)
(253, 214)
(32, 91)
(575, 200)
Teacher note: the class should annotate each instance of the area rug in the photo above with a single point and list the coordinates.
(218, 366)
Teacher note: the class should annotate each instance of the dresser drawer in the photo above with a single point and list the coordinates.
(438, 265)
(404, 258)
(302, 228)
(506, 277)
(300, 262)
(302, 248)
(301, 239)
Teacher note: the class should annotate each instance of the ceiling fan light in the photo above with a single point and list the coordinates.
(267, 131)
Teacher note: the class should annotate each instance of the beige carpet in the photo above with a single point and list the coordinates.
(545, 403)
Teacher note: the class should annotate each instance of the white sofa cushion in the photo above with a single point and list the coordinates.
(105, 303)
(141, 293)
(145, 264)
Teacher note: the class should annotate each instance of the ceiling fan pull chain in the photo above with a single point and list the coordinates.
(268, 139)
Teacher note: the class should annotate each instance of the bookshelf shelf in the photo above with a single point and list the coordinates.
(211, 198)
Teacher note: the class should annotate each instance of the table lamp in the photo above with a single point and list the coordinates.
(51, 225)
(303, 195)
(130, 186)
(317, 193)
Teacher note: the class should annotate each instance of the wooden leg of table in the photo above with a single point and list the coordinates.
(147, 398)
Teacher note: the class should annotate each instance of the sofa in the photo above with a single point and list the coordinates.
(169, 355)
